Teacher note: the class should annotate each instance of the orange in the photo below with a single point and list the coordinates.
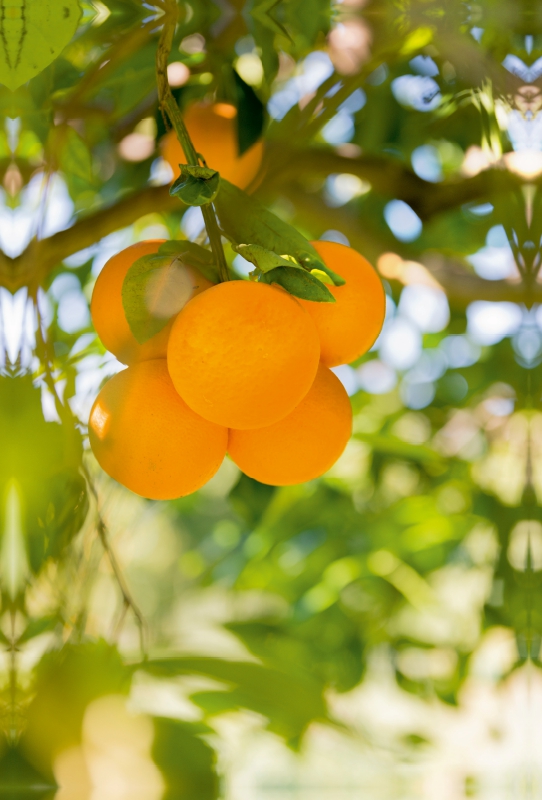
(243, 354)
(213, 130)
(350, 326)
(145, 437)
(108, 313)
(303, 445)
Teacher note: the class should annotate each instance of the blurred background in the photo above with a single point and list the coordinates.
(372, 633)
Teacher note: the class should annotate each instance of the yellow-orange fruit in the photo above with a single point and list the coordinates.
(213, 130)
(243, 354)
(303, 445)
(350, 326)
(107, 310)
(145, 436)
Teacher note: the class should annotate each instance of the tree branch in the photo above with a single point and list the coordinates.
(389, 177)
(461, 287)
(40, 257)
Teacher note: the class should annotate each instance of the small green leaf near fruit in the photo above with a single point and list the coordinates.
(196, 186)
(154, 290)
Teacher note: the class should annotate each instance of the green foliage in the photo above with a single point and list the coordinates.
(187, 763)
(39, 473)
(288, 701)
(430, 505)
(34, 33)
(149, 283)
(196, 186)
(300, 283)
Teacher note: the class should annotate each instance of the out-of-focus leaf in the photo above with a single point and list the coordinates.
(250, 498)
(66, 682)
(19, 779)
(40, 464)
(75, 158)
(400, 449)
(288, 701)
(250, 114)
(187, 763)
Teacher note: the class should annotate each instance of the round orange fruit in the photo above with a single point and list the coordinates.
(350, 326)
(107, 310)
(243, 354)
(145, 436)
(303, 445)
(213, 130)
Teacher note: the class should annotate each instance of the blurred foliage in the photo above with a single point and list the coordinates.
(427, 535)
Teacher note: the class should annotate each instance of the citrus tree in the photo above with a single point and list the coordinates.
(207, 212)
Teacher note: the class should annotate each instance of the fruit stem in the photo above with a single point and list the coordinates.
(169, 107)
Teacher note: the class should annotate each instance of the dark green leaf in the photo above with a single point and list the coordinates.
(187, 763)
(300, 283)
(250, 114)
(244, 219)
(196, 186)
(290, 702)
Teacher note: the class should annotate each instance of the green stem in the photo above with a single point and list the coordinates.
(171, 109)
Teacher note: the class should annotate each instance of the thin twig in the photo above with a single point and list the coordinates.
(127, 599)
(170, 108)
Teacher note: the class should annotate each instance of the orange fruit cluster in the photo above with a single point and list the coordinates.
(243, 369)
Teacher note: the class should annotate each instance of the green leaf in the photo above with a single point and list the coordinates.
(322, 276)
(336, 280)
(32, 34)
(289, 701)
(193, 255)
(155, 289)
(75, 157)
(300, 283)
(264, 259)
(392, 446)
(250, 114)
(187, 763)
(244, 219)
(196, 186)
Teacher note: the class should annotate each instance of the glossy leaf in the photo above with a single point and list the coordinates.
(263, 259)
(300, 283)
(244, 219)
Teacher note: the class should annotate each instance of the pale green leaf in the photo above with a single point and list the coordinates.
(32, 34)
(75, 157)
(155, 289)
(300, 283)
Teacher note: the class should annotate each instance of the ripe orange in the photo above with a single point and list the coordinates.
(213, 130)
(304, 444)
(145, 436)
(108, 313)
(350, 326)
(243, 354)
